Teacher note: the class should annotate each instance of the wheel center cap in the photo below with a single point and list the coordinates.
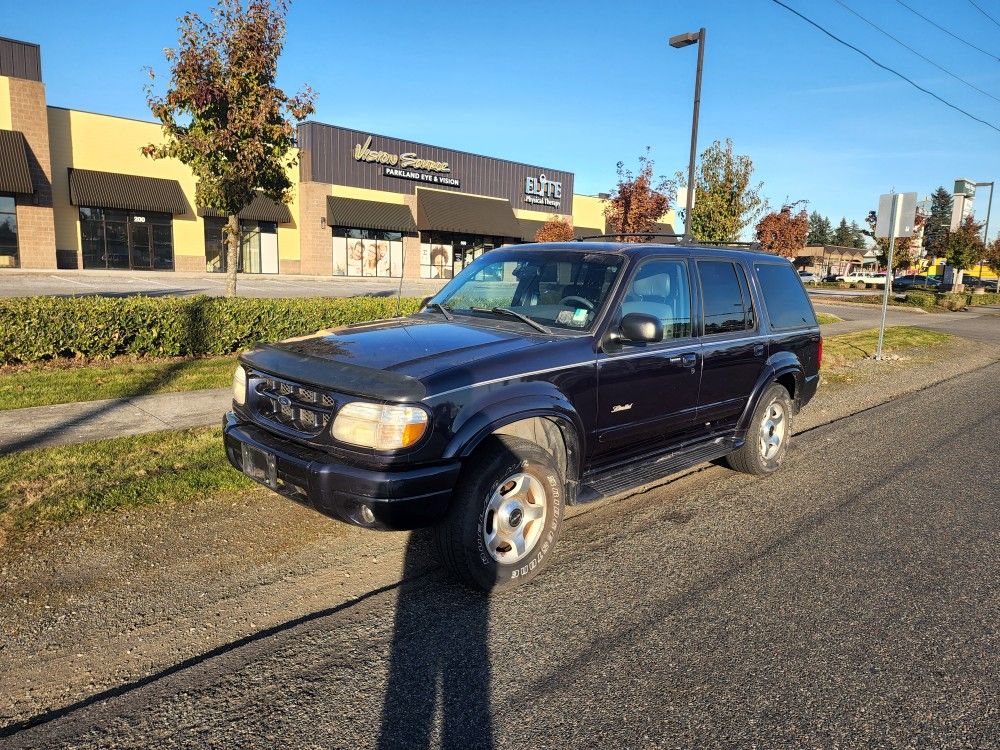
(515, 517)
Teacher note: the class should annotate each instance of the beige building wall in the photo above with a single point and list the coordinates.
(5, 103)
(35, 232)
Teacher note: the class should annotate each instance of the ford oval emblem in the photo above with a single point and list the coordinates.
(284, 401)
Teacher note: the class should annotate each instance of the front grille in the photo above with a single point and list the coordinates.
(303, 409)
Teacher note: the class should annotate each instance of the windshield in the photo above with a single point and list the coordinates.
(557, 288)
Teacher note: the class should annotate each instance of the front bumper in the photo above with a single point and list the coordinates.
(405, 499)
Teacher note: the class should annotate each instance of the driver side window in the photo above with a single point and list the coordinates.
(660, 288)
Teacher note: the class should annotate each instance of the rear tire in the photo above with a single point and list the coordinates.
(505, 516)
(767, 436)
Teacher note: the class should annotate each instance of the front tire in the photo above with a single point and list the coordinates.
(768, 435)
(505, 517)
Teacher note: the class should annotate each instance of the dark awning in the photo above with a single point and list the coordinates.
(361, 214)
(15, 177)
(260, 208)
(127, 192)
(456, 212)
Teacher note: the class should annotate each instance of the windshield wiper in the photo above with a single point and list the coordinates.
(444, 310)
(514, 314)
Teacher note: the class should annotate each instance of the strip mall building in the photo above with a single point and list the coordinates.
(76, 192)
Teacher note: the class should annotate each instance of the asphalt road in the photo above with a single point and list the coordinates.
(849, 601)
(127, 283)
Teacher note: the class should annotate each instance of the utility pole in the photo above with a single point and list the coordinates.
(678, 41)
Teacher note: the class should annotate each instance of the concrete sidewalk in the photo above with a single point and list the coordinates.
(63, 424)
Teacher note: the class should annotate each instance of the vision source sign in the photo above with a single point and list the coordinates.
(407, 166)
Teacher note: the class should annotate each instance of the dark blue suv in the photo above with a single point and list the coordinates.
(541, 376)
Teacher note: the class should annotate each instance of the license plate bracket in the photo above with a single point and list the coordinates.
(260, 465)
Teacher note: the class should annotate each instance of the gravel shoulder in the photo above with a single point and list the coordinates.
(117, 600)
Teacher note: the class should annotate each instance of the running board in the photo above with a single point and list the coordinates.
(637, 473)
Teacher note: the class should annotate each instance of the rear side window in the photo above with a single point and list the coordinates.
(786, 300)
(726, 300)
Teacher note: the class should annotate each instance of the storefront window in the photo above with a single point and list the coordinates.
(137, 240)
(8, 232)
(258, 246)
(444, 254)
(367, 252)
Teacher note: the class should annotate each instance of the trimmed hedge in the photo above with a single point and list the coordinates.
(39, 328)
(922, 299)
(988, 298)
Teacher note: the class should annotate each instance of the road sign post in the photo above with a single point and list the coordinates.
(897, 213)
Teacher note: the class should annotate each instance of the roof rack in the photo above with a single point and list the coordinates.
(629, 234)
(753, 246)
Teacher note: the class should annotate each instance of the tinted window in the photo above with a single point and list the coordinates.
(660, 288)
(785, 299)
(726, 301)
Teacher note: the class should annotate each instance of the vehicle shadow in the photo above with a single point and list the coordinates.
(438, 688)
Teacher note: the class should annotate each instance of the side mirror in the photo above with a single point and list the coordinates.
(640, 328)
(425, 300)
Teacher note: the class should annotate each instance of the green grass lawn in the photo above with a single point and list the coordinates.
(841, 354)
(55, 485)
(39, 385)
(824, 318)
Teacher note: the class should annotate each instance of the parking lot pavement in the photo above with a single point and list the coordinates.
(77, 283)
(847, 601)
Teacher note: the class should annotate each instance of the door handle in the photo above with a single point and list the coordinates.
(686, 360)
(758, 351)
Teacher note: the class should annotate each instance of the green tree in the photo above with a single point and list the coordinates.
(726, 200)
(223, 116)
(938, 224)
(965, 246)
(992, 257)
(857, 236)
(820, 230)
(842, 236)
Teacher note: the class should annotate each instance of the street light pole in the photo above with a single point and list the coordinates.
(678, 41)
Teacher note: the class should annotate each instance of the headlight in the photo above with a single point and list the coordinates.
(379, 426)
(240, 385)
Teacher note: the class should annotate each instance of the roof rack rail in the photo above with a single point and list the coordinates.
(753, 246)
(629, 234)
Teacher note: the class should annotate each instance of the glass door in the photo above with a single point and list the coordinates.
(140, 257)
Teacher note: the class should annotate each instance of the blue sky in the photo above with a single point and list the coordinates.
(581, 85)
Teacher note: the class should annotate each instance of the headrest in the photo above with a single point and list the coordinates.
(654, 285)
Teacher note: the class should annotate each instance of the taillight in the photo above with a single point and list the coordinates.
(819, 353)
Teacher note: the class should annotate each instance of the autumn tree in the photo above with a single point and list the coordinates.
(726, 200)
(938, 224)
(222, 114)
(991, 256)
(556, 229)
(819, 229)
(783, 232)
(965, 246)
(638, 202)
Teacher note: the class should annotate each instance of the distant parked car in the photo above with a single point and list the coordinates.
(974, 282)
(906, 283)
(808, 277)
(862, 277)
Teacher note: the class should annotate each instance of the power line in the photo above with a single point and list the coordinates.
(915, 52)
(886, 67)
(976, 6)
(936, 25)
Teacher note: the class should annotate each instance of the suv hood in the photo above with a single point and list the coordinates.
(386, 359)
